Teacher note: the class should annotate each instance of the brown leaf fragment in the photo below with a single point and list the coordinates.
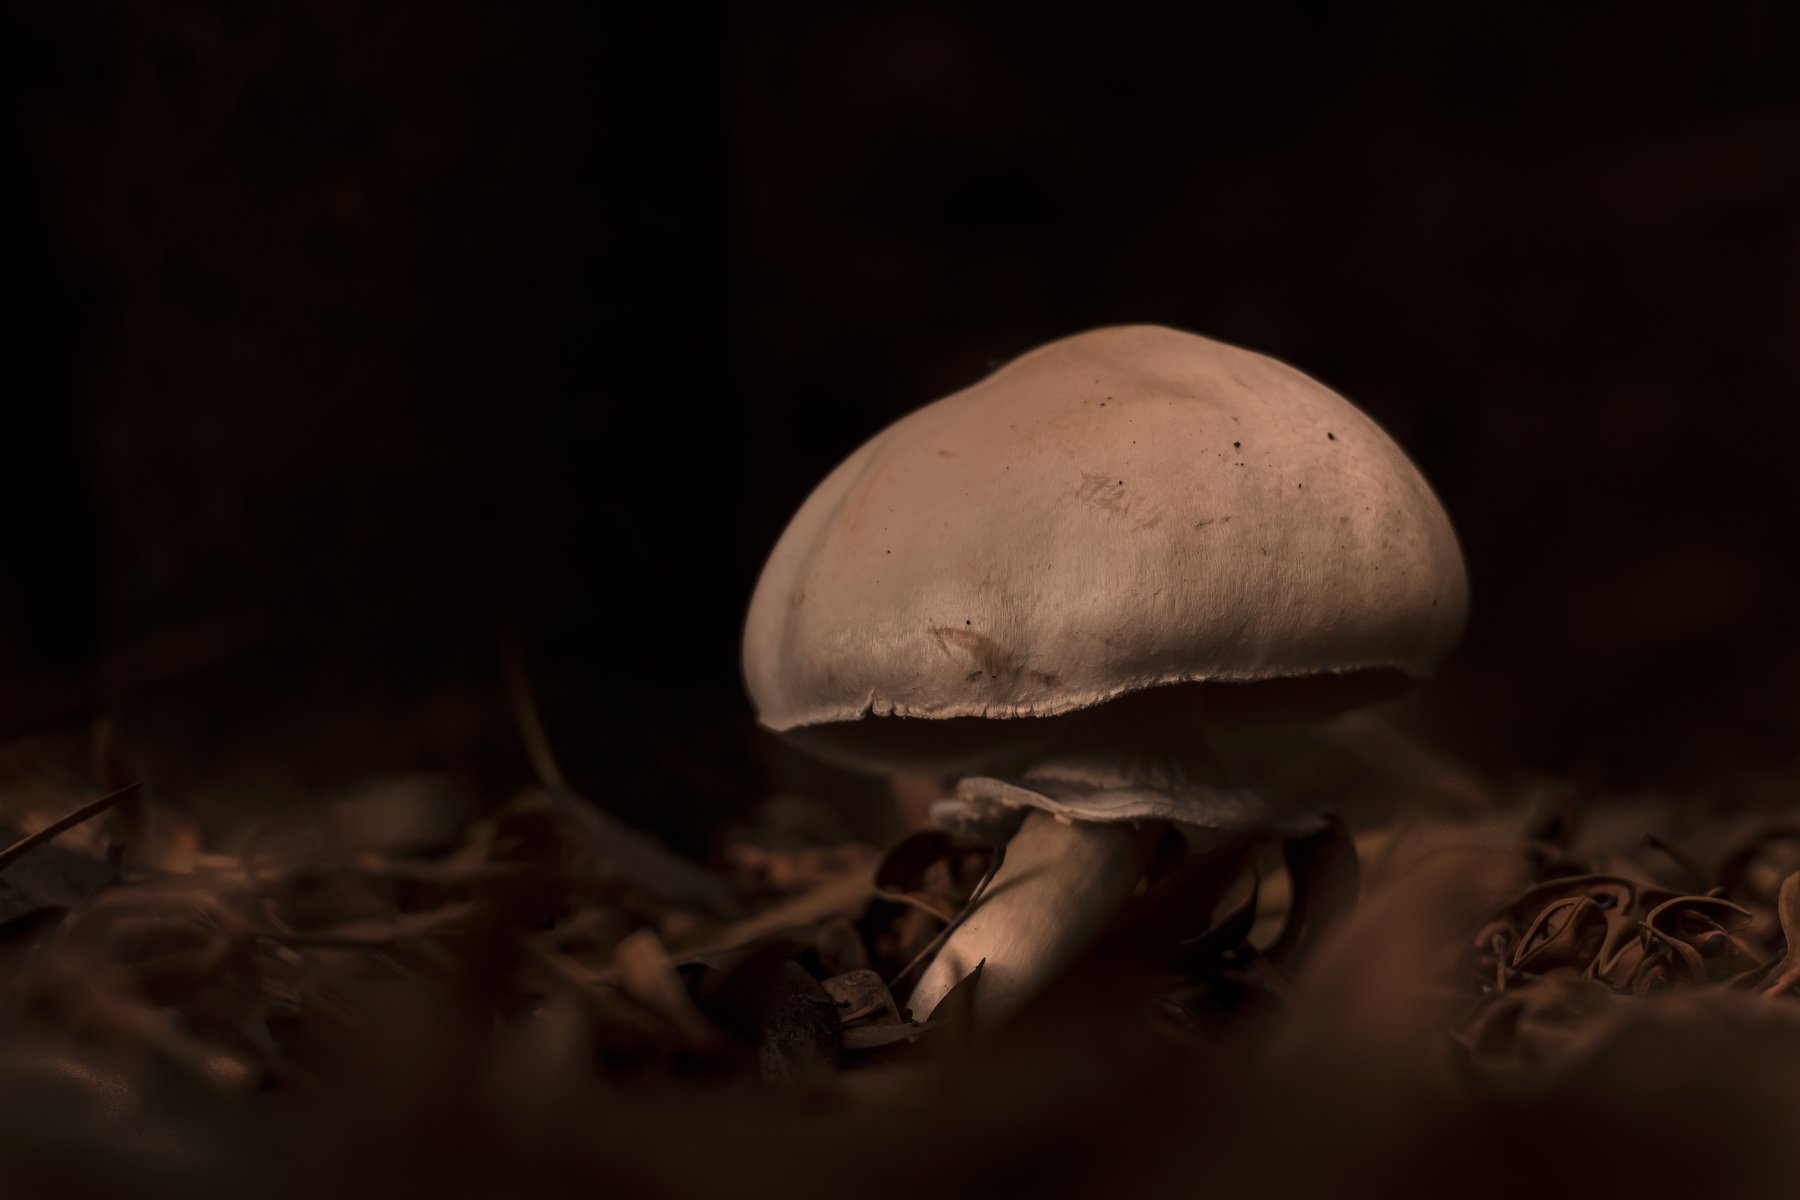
(845, 895)
(874, 1037)
(1327, 881)
(1622, 952)
(646, 975)
(173, 944)
(1700, 932)
(919, 871)
(621, 1027)
(1553, 1022)
(800, 1038)
(862, 998)
(1654, 974)
(1228, 932)
(771, 1002)
(1786, 973)
(740, 997)
(52, 879)
(932, 906)
(1611, 893)
(101, 1009)
(996, 859)
(446, 874)
(1567, 933)
(1179, 908)
(383, 932)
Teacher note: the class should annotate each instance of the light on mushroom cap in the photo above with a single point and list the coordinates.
(1117, 511)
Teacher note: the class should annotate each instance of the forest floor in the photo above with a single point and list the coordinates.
(415, 989)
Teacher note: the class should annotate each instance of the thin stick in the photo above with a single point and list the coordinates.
(936, 943)
(525, 711)
(829, 899)
(638, 859)
(86, 812)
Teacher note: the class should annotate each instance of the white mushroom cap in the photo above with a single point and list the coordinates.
(1117, 511)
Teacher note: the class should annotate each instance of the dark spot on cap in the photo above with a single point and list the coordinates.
(1332, 436)
(1237, 445)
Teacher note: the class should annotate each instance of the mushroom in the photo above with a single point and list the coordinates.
(1099, 585)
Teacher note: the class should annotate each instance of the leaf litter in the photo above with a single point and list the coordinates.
(427, 994)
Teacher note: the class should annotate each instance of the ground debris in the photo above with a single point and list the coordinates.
(1558, 967)
(499, 1007)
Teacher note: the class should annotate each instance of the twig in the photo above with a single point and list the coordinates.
(831, 898)
(932, 947)
(525, 711)
(639, 860)
(86, 812)
(449, 921)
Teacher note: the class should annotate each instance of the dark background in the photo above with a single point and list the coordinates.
(342, 332)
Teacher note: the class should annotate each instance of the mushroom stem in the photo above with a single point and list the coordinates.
(1060, 884)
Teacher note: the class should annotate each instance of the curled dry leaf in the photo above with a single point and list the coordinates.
(1786, 973)
(1568, 933)
(1701, 932)
(1545, 955)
